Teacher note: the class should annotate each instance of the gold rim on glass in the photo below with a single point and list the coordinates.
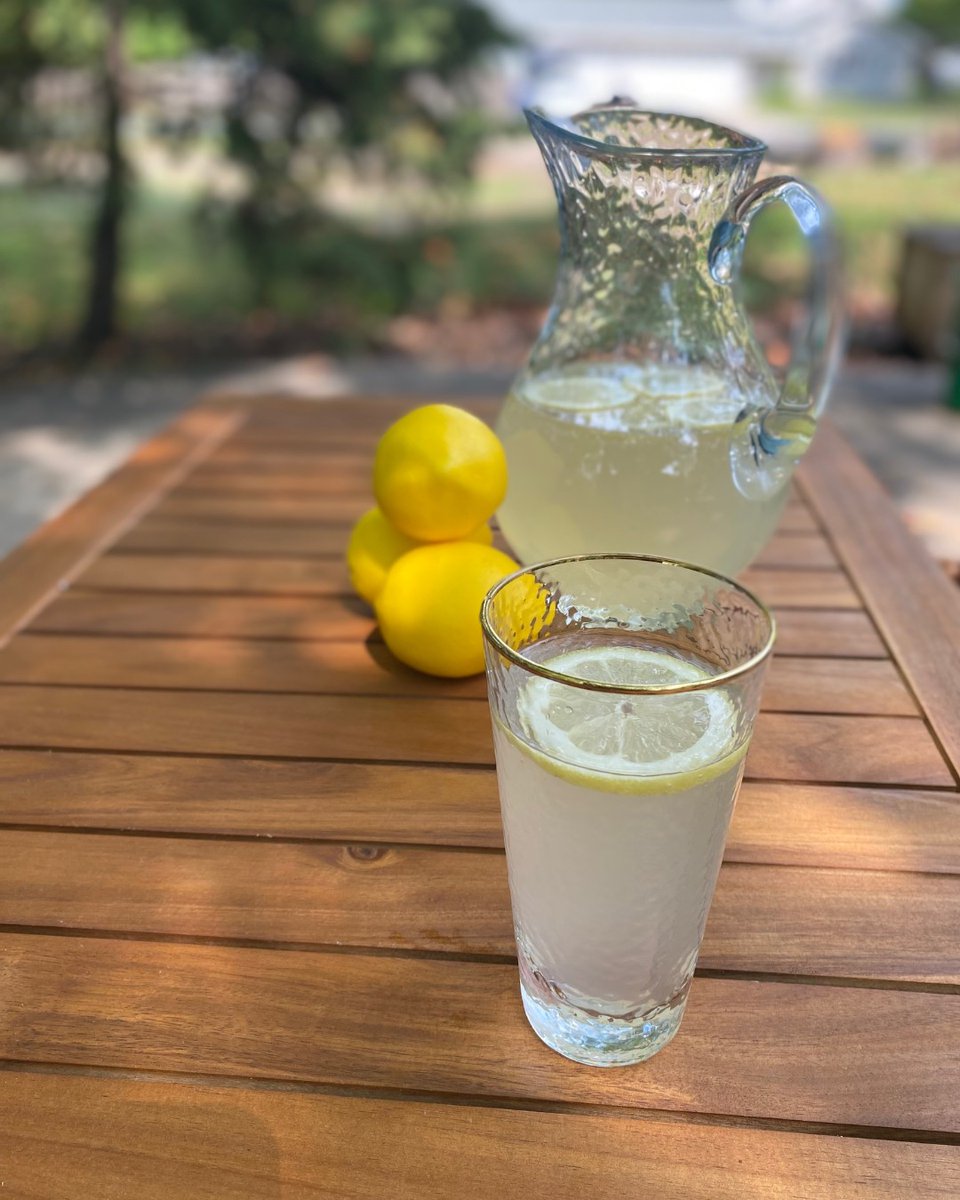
(699, 685)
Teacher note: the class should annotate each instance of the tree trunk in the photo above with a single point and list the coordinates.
(100, 317)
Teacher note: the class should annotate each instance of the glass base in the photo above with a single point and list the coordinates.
(598, 1040)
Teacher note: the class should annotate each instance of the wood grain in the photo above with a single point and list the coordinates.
(348, 668)
(61, 549)
(803, 587)
(790, 747)
(368, 668)
(194, 536)
(339, 508)
(845, 749)
(313, 894)
(781, 920)
(804, 1052)
(346, 801)
(345, 473)
(299, 618)
(859, 924)
(912, 600)
(800, 588)
(797, 550)
(220, 573)
(799, 631)
(842, 634)
(797, 518)
(185, 533)
(402, 729)
(367, 816)
(112, 1138)
(792, 824)
(350, 453)
(832, 685)
(880, 829)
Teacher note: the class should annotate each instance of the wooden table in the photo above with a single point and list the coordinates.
(254, 926)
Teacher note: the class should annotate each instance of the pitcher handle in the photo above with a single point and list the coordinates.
(768, 441)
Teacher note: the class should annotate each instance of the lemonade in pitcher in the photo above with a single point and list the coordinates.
(629, 457)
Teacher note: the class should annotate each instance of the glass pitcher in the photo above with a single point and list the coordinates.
(647, 418)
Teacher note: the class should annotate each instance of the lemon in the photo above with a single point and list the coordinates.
(429, 607)
(622, 742)
(439, 472)
(375, 545)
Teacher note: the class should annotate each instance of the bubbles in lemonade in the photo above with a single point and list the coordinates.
(632, 459)
(615, 810)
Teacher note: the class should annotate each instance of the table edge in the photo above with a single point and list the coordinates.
(63, 546)
(878, 552)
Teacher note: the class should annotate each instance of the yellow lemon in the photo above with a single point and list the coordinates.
(439, 472)
(429, 608)
(375, 545)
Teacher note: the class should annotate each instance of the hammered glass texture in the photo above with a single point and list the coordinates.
(639, 197)
(688, 610)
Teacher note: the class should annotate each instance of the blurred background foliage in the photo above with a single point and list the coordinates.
(186, 176)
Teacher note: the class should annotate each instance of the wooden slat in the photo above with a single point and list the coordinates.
(914, 604)
(298, 618)
(832, 685)
(803, 747)
(343, 508)
(313, 894)
(446, 805)
(859, 924)
(782, 920)
(220, 573)
(346, 473)
(800, 588)
(403, 729)
(812, 587)
(843, 634)
(196, 535)
(61, 549)
(803, 1052)
(773, 823)
(878, 829)
(799, 631)
(350, 668)
(350, 453)
(792, 747)
(112, 1138)
(797, 518)
(193, 536)
(368, 668)
(797, 550)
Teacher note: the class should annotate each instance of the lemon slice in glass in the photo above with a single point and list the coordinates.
(641, 743)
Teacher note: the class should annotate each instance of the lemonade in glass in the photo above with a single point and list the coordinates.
(623, 692)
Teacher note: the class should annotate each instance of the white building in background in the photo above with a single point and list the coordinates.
(717, 57)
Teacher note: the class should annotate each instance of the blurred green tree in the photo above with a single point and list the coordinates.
(388, 83)
(37, 36)
(940, 18)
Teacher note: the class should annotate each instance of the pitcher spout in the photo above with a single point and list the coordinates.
(621, 130)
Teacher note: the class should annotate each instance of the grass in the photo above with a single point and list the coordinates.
(186, 274)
